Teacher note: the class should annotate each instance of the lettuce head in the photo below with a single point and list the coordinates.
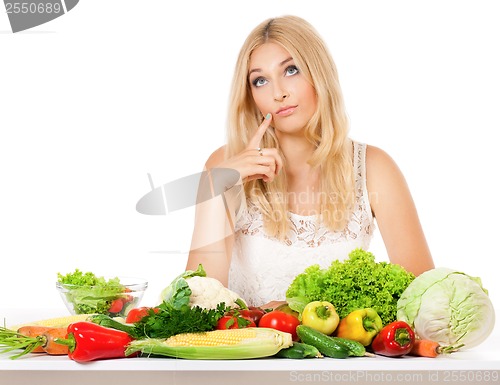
(448, 307)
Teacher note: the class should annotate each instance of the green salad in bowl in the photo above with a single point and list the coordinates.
(86, 293)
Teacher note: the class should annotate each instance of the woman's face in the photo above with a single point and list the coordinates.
(279, 88)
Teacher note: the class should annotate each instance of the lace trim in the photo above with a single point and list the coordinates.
(308, 231)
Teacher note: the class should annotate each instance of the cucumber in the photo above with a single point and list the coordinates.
(356, 348)
(107, 321)
(299, 350)
(325, 344)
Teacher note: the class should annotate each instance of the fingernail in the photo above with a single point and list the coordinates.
(268, 116)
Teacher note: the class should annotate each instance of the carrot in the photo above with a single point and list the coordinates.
(425, 348)
(33, 339)
(428, 348)
(51, 347)
(34, 331)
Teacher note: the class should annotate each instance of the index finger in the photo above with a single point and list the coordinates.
(259, 134)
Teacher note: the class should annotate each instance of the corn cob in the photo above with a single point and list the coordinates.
(216, 345)
(58, 322)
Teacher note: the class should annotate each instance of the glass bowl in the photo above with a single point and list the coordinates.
(115, 300)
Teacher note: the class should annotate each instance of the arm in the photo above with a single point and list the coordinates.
(212, 221)
(396, 214)
(213, 236)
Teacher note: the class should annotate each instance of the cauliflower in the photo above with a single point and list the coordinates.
(208, 292)
(194, 288)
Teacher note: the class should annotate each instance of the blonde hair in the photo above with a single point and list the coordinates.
(327, 129)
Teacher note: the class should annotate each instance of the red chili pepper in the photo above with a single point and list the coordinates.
(88, 341)
(394, 340)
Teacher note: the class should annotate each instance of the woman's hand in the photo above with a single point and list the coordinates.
(272, 305)
(254, 162)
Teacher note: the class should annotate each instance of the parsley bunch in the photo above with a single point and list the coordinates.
(169, 320)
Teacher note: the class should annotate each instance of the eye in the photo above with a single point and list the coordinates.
(259, 82)
(291, 70)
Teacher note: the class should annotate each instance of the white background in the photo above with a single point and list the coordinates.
(94, 100)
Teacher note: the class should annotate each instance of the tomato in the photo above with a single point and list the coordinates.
(253, 313)
(282, 321)
(127, 299)
(136, 314)
(116, 306)
(234, 322)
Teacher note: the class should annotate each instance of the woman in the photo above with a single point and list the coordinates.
(311, 193)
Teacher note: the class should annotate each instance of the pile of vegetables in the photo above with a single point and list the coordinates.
(356, 283)
(376, 309)
(360, 333)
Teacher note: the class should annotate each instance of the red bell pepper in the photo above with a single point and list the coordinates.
(394, 340)
(88, 341)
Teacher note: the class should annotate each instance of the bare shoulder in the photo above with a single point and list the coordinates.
(377, 160)
(384, 179)
(381, 169)
(216, 157)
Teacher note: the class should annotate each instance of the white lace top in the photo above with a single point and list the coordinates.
(263, 267)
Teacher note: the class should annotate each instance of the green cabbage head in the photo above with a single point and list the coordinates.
(448, 307)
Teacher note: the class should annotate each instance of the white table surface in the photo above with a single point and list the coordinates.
(477, 365)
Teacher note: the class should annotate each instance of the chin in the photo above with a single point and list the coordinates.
(290, 128)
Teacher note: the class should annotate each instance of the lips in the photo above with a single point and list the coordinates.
(285, 111)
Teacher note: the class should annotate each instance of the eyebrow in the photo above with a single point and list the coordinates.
(281, 64)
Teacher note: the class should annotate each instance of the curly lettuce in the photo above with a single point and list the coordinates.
(356, 283)
(89, 293)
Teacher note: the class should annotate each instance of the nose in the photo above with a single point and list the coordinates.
(280, 93)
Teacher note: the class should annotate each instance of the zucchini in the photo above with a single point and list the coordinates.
(325, 344)
(299, 350)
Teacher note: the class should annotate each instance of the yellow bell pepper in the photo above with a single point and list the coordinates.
(321, 316)
(360, 325)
